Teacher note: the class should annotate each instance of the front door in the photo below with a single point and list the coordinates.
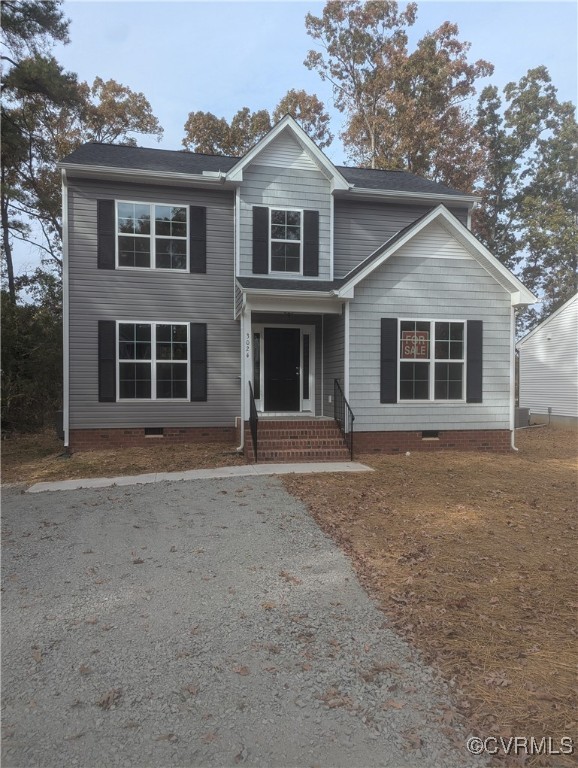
(282, 369)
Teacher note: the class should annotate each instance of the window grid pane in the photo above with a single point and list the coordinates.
(414, 340)
(285, 241)
(139, 236)
(285, 257)
(414, 381)
(135, 381)
(449, 381)
(136, 342)
(171, 380)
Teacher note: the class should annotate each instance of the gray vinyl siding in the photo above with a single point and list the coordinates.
(549, 365)
(361, 227)
(264, 318)
(151, 295)
(333, 357)
(284, 188)
(414, 285)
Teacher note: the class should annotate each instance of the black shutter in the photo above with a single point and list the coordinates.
(106, 361)
(105, 234)
(474, 361)
(311, 243)
(260, 240)
(198, 239)
(388, 388)
(198, 353)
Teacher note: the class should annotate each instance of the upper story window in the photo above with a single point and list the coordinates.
(286, 240)
(152, 236)
(431, 360)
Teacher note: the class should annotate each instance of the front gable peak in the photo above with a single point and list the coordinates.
(520, 295)
(297, 150)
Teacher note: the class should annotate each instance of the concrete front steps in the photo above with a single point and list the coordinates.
(294, 440)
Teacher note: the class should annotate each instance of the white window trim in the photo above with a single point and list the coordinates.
(276, 240)
(432, 360)
(153, 361)
(152, 237)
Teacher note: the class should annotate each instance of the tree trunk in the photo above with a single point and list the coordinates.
(7, 244)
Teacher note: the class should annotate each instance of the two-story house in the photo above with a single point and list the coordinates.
(204, 293)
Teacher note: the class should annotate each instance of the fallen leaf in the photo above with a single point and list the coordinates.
(393, 704)
(110, 699)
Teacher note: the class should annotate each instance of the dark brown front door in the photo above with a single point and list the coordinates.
(281, 372)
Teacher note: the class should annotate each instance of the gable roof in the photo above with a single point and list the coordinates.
(520, 295)
(146, 159)
(309, 146)
(545, 322)
(118, 158)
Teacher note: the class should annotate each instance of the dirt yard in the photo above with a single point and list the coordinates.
(39, 457)
(473, 557)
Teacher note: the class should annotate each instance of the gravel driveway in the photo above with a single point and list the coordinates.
(200, 623)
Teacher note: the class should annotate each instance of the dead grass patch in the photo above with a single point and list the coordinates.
(473, 557)
(39, 457)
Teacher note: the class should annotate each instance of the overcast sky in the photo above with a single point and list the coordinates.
(221, 56)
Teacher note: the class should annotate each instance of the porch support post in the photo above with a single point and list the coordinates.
(247, 353)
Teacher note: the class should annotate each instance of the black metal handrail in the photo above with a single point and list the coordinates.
(343, 415)
(253, 420)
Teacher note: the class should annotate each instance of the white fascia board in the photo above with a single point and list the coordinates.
(547, 320)
(131, 174)
(520, 295)
(304, 302)
(416, 197)
(236, 172)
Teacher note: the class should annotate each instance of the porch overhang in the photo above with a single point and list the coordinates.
(291, 301)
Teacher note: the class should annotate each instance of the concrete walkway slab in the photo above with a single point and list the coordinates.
(248, 470)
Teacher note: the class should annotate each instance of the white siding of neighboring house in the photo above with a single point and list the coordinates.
(549, 364)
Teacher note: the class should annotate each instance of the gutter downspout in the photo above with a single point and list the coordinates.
(65, 316)
(513, 380)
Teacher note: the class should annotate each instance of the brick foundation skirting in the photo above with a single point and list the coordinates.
(134, 437)
(497, 440)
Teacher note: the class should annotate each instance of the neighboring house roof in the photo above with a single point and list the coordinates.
(142, 160)
(519, 293)
(548, 320)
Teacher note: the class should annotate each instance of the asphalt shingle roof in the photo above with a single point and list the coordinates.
(146, 159)
(294, 284)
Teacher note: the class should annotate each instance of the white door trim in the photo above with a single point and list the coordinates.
(306, 406)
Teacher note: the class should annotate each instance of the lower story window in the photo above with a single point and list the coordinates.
(153, 361)
(431, 360)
